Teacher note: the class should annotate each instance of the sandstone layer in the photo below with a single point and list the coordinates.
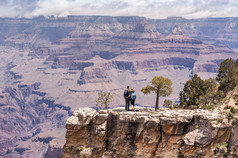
(148, 133)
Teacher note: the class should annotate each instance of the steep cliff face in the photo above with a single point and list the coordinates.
(55, 148)
(148, 133)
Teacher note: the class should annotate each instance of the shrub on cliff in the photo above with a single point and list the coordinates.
(160, 86)
(104, 98)
(167, 103)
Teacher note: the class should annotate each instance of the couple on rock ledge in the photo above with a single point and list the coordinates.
(130, 97)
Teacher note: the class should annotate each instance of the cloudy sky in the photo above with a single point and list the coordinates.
(154, 9)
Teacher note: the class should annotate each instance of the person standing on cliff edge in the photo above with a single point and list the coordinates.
(132, 99)
(127, 98)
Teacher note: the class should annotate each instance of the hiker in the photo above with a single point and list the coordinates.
(127, 98)
(133, 98)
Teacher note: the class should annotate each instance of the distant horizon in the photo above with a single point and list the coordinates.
(68, 16)
(151, 9)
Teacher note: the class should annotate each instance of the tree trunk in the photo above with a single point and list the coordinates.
(157, 101)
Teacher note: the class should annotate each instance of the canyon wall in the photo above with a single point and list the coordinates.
(29, 121)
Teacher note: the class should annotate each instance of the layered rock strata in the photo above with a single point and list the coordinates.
(29, 121)
(148, 133)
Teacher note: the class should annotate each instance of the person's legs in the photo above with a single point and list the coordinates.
(132, 105)
(127, 104)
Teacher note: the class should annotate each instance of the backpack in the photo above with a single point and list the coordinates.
(126, 93)
(133, 96)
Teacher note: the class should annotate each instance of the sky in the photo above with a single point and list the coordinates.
(154, 9)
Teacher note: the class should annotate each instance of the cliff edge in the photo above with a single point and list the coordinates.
(148, 133)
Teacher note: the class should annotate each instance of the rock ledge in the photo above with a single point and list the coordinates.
(148, 133)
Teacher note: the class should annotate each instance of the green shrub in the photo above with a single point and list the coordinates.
(220, 120)
(193, 106)
(197, 127)
(167, 103)
(226, 107)
(210, 107)
(232, 110)
(176, 106)
(181, 156)
(221, 148)
(80, 148)
(229, 116)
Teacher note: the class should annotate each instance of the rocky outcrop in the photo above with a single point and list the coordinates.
(140, 30)
(80, 65)
(186, 62)
(55, 148)
(88, 34)
(177, 30)
(93, 75)
(123, 65)
(205, 67)
(148, 133)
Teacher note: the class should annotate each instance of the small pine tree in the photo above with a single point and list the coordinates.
(104, 99)
(192, 90)
(160, 86)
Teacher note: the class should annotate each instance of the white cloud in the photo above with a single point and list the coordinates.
(147, 8)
